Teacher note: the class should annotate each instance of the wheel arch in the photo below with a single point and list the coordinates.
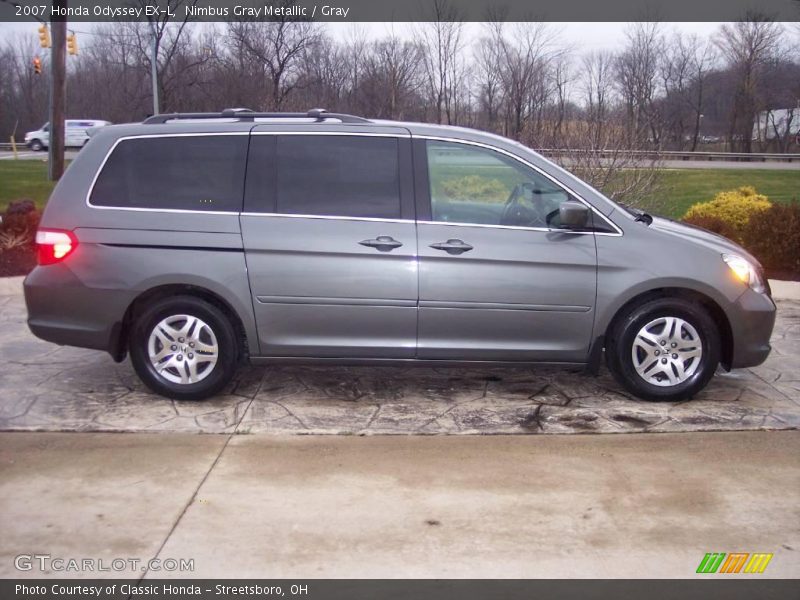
(707, 302)
(122, 328)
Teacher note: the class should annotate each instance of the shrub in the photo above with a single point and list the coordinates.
(774, 238)
(19, 225)
(735, 207)
(475, 187)
(712, 224)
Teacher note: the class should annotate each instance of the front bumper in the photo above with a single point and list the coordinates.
(752, 318)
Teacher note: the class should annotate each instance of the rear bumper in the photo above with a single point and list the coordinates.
(64, 311)
(752, 319)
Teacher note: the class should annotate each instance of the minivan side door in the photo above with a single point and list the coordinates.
(495, 281)
(330, 244)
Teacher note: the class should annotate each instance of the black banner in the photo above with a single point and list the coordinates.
(733, 588)
(400, 10)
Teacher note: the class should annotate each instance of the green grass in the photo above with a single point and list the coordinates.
(24, 179)
(677, 191)
(680, 188)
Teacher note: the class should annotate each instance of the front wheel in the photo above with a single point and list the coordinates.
(36, 145)
(666, 349)
(183, 348)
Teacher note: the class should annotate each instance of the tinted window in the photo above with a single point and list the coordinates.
(349, 176)
(469, 184)
(188, 172)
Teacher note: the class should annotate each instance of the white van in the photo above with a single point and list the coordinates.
(76, 133)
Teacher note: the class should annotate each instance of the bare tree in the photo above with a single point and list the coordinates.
(442, 59)
(747, 46)
(637, 80)
(278, 48)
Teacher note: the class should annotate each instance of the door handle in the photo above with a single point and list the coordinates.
(383, 243)
(452, 246)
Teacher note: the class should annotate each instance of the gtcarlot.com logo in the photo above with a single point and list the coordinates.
(735, 562)
(57, 564)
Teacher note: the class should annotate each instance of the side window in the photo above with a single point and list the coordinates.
(180, 172)
(469, 184)
(332, 175)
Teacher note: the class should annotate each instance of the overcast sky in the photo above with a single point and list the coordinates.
(584, 36)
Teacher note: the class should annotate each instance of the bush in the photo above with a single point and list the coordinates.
(774, 238)
(734, 207)
(475, 187)
(19, 225)
(712, 224)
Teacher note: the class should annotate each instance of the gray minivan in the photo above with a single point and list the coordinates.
(199, 241)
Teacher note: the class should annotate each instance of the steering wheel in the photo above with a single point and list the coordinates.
(516, 212)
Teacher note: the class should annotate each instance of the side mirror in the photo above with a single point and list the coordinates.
(573, 214)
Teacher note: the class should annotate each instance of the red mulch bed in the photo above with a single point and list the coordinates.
(17, 261)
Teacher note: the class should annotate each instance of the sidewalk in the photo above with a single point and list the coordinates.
(386, 506)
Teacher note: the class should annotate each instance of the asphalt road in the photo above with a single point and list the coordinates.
(26, 154)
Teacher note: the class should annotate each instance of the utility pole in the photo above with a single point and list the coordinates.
(154, 65)
(58, 92)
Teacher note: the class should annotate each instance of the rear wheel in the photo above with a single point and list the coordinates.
(666, 349)
(183, 348)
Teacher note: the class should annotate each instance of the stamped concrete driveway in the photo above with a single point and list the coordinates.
(47, 387)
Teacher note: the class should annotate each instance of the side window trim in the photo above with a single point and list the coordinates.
(118, 141)
(422, 188)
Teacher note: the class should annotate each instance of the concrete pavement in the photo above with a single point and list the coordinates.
(52, 388)
(646, 506)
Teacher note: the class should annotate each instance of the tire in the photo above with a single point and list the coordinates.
(36, 145)
(635, 340)
(179, 377)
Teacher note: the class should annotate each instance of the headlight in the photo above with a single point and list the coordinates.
(745, 271)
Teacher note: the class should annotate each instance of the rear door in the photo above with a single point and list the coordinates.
(330, 243)
(495, 282)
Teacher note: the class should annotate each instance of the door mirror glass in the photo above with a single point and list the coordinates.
(571, 214)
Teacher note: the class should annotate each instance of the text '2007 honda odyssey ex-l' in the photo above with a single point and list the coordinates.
(197, 241)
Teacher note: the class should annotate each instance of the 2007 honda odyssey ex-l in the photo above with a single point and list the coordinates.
(195, 242)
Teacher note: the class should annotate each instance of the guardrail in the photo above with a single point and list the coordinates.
(651, 154)
(676, 155)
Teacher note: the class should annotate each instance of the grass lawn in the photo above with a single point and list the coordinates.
(680, 188)
(24, 179)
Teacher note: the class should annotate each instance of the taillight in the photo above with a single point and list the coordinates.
(54, 246)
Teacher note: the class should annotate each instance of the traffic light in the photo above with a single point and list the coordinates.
(72, 44)
(37, 65)
(44, 36)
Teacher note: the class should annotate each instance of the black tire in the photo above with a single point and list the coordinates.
(621, 338)
(222, 328)
(36, 145)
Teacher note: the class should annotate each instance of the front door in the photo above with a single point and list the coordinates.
(495, 283)
(330, 244)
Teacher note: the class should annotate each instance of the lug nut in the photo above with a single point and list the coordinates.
(191, 356)
(657, 352)
(663, 360)
(180, 340)
(674, 344)
(673, 356)
(663, 343)
(191, 344)
(180, 357)
(173, 347)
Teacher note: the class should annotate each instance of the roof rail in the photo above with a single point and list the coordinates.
(245, 114)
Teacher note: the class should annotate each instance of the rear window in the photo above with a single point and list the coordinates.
(347, 176)
(186, 173)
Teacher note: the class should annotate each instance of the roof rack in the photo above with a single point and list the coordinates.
(245, 114)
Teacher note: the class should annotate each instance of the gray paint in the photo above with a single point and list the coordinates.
(305, 289)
